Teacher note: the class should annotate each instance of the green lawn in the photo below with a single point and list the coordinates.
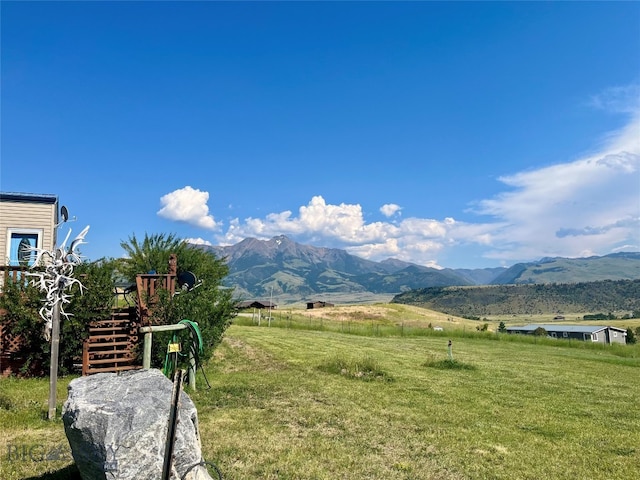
(299, 404)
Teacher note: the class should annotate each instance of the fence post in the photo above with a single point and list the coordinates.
(192, 370)
(146, 356)
(85, 357)
(53, 367)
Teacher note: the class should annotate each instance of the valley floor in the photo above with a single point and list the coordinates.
(395, 408)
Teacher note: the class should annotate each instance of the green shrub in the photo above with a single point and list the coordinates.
(21, 302)
(366, 369)
(540, 332)
(209, 305)
(448, 364)
(5, 402)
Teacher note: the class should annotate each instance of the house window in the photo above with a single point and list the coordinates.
(615, 334)
(565, 334)
(19, 246)
(594, 337)
(553, 334)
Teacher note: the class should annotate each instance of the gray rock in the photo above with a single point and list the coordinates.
(116, 425)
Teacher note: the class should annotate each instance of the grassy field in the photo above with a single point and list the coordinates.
(401, 319)
(291, 403)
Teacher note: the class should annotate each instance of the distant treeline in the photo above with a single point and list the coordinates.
(554, 298)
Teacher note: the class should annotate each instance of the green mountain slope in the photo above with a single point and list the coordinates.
(604, 296)
(293, 271)
(617, 266)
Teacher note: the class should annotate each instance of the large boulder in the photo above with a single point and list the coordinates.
(116, 425)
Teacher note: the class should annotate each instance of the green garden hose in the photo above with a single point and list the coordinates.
(196, 347)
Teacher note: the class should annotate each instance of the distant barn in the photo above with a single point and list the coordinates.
(311, 305)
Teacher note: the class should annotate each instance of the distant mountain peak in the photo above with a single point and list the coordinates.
(290, 269)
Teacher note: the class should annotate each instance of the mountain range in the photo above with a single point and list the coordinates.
(286, 269)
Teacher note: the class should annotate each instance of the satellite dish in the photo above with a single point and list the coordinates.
(187, 280)
(64, 213)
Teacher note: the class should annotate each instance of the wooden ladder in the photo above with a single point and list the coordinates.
(111, 343)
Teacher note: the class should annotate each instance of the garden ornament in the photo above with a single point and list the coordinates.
(57, 276)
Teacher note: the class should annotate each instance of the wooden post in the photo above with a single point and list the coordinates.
(53, 368)
(192, 371)
(270, 302)
(148, 340)
(146, 354)
(85, 357)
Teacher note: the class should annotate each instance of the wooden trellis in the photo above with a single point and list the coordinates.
(10, 348)
(110, 346)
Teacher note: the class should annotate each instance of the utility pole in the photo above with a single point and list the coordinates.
(270, 303)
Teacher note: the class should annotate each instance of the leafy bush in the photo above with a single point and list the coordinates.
(209, 305)
(20, 302)
(540, 332)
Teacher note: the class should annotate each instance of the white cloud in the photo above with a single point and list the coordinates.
(343, 226)
(588, 206)
(621, 99)
(198, 241)
(188, 205)
(390, 209)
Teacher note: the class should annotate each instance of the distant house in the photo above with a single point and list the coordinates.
(27, 220)
(311, 305)
(589, 333)
(256, 304)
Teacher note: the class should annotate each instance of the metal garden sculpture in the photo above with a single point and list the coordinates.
(57, 277)
(55, 280)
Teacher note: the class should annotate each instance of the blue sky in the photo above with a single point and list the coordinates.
(455, 134)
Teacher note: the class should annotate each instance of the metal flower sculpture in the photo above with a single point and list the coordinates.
(57, 277)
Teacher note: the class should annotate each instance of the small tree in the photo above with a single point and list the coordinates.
(502, 328)
(210, 305)
(631, 336)
(540, 332)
